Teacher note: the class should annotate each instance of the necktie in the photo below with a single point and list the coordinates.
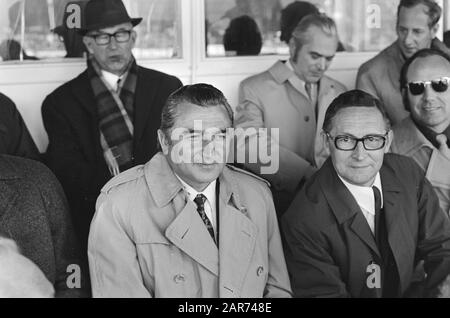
(312, 96)
(118, 85)
(200, 200)
(390, 278)
(378, 223)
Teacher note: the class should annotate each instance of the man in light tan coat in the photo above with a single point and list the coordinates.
(417, 24)
(184, 224)
(425, 134)
(291, 97)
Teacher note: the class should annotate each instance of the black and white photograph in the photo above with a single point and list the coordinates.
(225, 154)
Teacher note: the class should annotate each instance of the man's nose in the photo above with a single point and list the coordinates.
(409, 39)
(322, 64)
(360, 152)
(429, 92)
(112, 43)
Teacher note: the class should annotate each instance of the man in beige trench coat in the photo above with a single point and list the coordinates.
(184, 224)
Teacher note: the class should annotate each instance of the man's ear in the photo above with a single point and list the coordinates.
(434, 30)
(292, 48)
(163, 142)
(390, 138)
(133, 37)
(88, 44)
(325, 141)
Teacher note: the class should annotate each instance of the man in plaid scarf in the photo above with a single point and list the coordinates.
(105, 120)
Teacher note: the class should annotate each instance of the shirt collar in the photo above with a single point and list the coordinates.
(430, 134)
(364, 195)
(111, 78)
(291, 67)
(209, 192)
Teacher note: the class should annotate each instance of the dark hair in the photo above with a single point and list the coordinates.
(405, 68)
(434, 10)
(300, 34)
(292, 14)
(203, 95)
(353, 98)
(243, 36)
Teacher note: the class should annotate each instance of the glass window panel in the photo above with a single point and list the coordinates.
(33, 29)
(363, 25)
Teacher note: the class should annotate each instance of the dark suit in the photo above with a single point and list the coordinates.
(15, 139)
(34, 213)
(74, 152)
(329, 243)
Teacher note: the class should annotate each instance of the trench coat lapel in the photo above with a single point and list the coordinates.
(399, 237)
(237, 238)
(187, 230)
(345, 207)
(189, 234)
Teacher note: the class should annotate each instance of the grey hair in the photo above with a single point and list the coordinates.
(203, 95)
(300, 35)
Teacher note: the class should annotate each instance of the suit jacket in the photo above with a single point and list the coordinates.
(409, 141)
(15, 139)
(329, 244)
(273, 99)
(74, 152)
(34, 213)
(148, 240)
(380, 76)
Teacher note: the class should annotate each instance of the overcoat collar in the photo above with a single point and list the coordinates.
(237, 236)
(346, 209)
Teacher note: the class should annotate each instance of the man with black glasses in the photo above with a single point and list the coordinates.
(362, 223)
(105, 120)
(425, 134)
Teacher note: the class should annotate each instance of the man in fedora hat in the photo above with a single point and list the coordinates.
(105, 120)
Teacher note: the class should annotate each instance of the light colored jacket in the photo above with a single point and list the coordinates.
(409, 141)
(380, 76)
(273, 99)
(147, 239)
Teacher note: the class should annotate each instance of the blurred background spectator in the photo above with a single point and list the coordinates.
(242, 37)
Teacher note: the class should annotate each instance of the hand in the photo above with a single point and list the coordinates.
(443, 148)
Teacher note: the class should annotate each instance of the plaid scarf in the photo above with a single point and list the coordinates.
(115, 111)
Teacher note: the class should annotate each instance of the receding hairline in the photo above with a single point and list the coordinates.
(422, 58)
(352, 109)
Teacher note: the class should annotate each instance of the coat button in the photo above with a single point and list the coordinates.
(306, 118)
(260, 271)
(179, 278)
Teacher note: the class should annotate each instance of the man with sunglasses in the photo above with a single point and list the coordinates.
(417, 25)
(105, 120)
(425, 134)
(361, 224)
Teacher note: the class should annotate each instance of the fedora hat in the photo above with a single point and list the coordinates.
(99, 14)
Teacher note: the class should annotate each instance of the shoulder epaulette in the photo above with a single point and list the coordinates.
(251, 174)
(124, 177)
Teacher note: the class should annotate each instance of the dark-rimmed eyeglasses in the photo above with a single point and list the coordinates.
(439, 85)
(103, 38)
(349, 143)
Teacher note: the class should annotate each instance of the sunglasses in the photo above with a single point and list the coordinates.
(439, 85)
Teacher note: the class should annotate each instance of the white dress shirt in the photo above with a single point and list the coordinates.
(365, 198)
(111, 79)
(210, 204)
(301, 85)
